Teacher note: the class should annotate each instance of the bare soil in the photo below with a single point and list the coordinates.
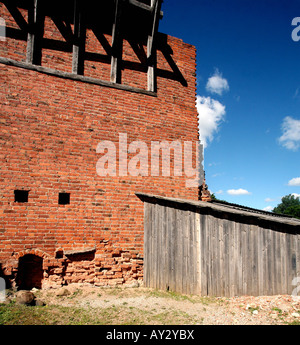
(148, 306)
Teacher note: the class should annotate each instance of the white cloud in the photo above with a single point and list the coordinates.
(238, 192)
(296, 195)
(211, 114)
(269, 200)
(219, 192)
(290, 138)
(217, 174)
(268, 208)
(294, 182)
(217, 84)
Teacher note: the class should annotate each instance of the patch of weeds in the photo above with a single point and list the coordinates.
(76, 293)
(173, 295)
(294, 323)
(252, 309)
(279, 311)
(206, 300)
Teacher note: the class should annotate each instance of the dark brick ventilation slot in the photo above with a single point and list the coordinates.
(21, 195)
(64, 198)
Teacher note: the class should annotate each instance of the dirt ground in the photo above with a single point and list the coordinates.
(172, 308)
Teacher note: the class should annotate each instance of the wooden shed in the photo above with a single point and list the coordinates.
(218, 249)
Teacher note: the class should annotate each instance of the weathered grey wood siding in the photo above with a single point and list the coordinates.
(171, 249)
(246, 259)
(196, 249)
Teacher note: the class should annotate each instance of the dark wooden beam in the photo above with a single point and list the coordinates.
(117, 44)
(151, 45)
(36, 20)
(144, 7)
(79, 38)
(64, 28)
(102, 40)
(16, 14)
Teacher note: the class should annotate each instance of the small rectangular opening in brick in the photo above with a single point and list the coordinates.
(21, 195)
(64, 198)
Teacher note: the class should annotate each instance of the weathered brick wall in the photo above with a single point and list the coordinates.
(50, 129)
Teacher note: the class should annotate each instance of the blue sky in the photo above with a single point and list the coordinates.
(248, 74)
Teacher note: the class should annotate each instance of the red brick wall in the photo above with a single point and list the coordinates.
(50, 129)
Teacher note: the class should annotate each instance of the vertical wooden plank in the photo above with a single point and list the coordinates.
(270, 262)
(294, 258)
(178, 251)
(212, 244)
(208, 255)
(182, 254)
(245, 258)
(280, 271)
(79, 39)
(172, 253)
(226, 258)
(190, 262)
(117, 44)
(221, 258)
(185, 276)
(164, 249)
(239, 289)
(231, 254)
(236, 260)
(284, 261)
(217, 222)
(249, 261)
(146, 243)
(198, 254)
(158, 246)
(291, 260)
(149, 259)
(167, 248)
(193, 259)
(154, 247)
(288, 262)
(278, 289)
(265, 262)
(260, 260)
(151, 43)
(36, 20)
(254, 235)
(203, 258)
(273, 260)
(298, 256)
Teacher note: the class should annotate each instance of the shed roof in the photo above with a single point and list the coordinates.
(224, 207)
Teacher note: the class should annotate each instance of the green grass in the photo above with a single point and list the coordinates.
(179, 297)
(14, 314)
